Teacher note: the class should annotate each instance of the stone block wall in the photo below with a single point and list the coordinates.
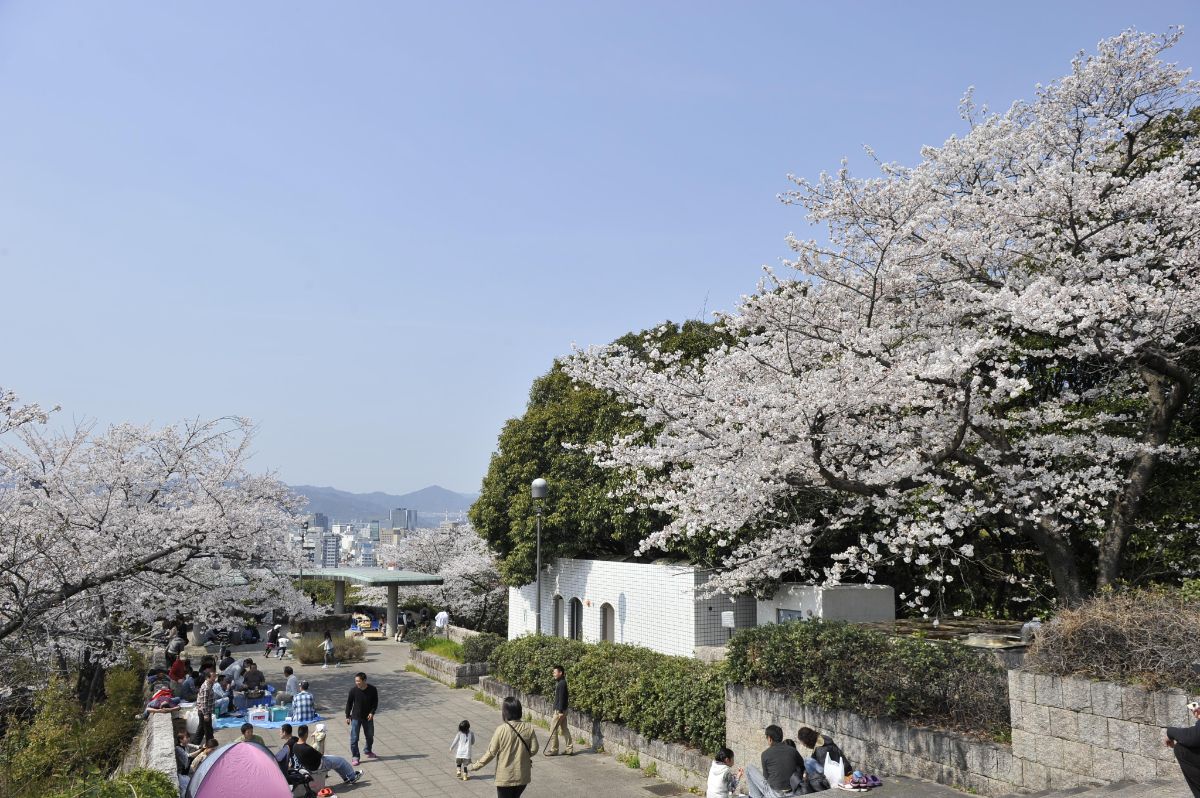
(875, 745)
(1069, 731)
(447, 671)
(675, 763)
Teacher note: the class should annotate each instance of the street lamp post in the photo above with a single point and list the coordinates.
(538, 491)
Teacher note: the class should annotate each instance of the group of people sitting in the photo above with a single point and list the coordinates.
(786, 770)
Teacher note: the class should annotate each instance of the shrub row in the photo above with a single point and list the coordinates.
(839, 666)
(141, 783)
(675, 699)
(479, 648)
(441, 647)
(1143, 636)
(63, 742)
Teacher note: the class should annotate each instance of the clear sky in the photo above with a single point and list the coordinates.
(369, 226)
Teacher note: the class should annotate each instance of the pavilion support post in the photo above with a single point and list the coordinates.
(339, 596)
(392, 606)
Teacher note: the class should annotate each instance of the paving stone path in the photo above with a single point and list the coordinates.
(418, 718)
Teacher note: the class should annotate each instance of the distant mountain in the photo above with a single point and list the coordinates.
(341, 505)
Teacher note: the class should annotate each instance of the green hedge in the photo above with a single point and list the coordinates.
(479, 648)
(839, 666)
(141, 783)
(64, 743)
(441, 647)
(675, 699)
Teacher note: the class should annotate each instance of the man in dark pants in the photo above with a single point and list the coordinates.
(360, 714)
(205, 702)
(779, 762)
(560, 715)
(1185, 741)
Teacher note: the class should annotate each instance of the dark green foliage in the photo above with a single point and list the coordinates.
(675, 699)
(581, 519)
(64, 742)
(140, 783)
(479, 648)
(839, 666)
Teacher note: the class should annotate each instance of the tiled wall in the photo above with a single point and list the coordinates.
(653, 605)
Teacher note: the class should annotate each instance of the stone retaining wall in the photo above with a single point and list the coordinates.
(876, 745)
(1069, 731)
(455, 674)
(673, 762)
(459, 634)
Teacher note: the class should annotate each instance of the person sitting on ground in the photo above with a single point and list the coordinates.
(822, 747)
(253, 679)
(248, 735)
(779, 763)
(179, 668)
(303, 706)
(183, 752)
(222, 696)
(286, 741)
(312, 760)
(188, 687)
(234, 671)
(722, 778)
(293, 681)
(226, 659)
(210, 745)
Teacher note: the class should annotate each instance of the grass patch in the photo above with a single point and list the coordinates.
(441, 647)
(309, 650)
(651, 770)
(487, 699)
(630, 760)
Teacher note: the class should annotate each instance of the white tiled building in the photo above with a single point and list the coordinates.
(652, 604)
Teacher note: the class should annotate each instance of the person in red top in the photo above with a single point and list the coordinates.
(179, 668)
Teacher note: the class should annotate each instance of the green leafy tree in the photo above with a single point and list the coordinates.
(581, 516)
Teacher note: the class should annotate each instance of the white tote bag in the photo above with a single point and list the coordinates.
(835, 771)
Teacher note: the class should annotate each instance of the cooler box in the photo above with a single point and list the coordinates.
(280, 712)
(258, 715)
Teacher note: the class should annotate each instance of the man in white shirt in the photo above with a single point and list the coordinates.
(442, 622)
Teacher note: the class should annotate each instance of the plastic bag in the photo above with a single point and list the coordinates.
(835, 771)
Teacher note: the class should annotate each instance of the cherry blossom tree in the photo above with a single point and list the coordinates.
(997, 343)
(101, 533)
(471, 591)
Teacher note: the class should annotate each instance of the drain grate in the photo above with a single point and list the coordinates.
(665, 789)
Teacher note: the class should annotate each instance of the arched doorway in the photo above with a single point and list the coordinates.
(558, 616)
(607, 623)
(575, 619)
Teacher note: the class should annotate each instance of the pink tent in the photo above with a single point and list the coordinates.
(237, 770)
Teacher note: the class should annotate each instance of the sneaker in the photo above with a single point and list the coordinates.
(357, 775)
(325, 665)
(371, 755)
(354, 761)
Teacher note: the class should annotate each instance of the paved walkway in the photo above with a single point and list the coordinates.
(418, 718)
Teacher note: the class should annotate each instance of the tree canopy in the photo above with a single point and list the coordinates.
(997, 347)
(581, 516)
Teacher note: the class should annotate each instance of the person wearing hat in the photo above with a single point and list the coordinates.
(1185, 741)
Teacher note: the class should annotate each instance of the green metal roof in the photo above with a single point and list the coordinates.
(374, 577)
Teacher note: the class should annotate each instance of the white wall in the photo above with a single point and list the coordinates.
(855, 603)
(654, 605)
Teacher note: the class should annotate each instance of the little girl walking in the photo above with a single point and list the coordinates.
(461, 746)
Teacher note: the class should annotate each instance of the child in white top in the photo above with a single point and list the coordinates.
(461, 746)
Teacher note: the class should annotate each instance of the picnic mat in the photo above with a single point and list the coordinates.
(235, 722)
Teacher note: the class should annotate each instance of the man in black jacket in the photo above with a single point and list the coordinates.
(1185, 741)
(360, 714)
(560, 715)
(779, 763)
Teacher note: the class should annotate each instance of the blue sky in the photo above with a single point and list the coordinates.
(370, 226)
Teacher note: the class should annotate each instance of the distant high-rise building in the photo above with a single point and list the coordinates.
(373, 531)
(319, 521)
(366, 554)
(399, 519)
(330, 551)
(412, 519)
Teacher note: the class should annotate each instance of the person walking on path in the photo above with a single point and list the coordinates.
(1185, 741)
(560, 715)
(442, 622)
(513, 746)
(205, 702)
(360, 714)
(461, 746)
(327, 648)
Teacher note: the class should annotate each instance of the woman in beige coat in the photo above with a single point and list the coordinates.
(513, 746)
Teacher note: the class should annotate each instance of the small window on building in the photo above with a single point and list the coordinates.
(607, 623)
(575, 620)
(558, 616)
